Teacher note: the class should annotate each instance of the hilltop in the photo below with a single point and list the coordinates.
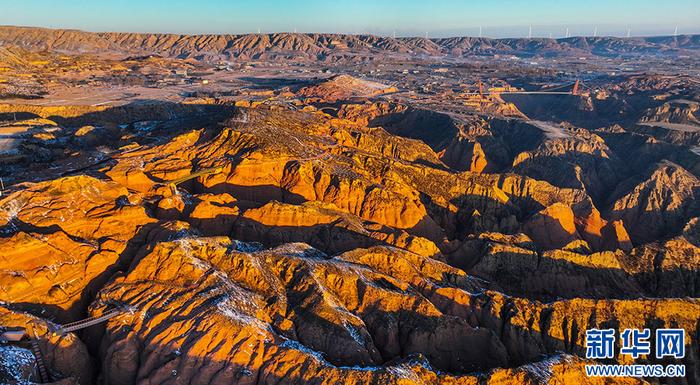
(318, 46)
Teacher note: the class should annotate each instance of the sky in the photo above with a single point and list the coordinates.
(436, 18)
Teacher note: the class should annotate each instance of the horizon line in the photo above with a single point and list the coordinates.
(347, 34)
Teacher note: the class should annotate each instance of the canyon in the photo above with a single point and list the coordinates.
(342, 209)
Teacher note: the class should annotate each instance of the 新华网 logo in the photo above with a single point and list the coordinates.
(600, 343)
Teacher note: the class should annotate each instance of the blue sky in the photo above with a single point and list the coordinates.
(439, 18)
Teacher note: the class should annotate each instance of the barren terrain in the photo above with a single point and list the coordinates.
(343, 209)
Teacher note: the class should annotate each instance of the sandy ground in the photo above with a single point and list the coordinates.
(118, 94)
(551, 130)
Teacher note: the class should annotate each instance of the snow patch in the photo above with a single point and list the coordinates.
(11, 209)
(245, 247)
(354, 334)
(542, 371)
(12, 360)
(404, 372)
(300, 250)
(296, 345)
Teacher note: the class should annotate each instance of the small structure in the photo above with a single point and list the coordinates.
(85, 323)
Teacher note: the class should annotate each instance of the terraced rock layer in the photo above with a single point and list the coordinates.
(292, 246)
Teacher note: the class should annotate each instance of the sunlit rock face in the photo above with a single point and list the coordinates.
(63, 238)
(67, 354)
(217, 311)
(332, 232)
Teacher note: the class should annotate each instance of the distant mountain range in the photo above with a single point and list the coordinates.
(333, 47)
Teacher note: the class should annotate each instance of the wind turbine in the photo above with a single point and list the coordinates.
(479, 31)
(567, 32)
(529, 34)
(675, 31)
(629, 31)
(595, 31)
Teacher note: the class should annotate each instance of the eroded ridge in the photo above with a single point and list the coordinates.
(189, 222)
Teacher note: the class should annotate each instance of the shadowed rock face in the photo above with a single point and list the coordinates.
(217, 311)
(65, 354)
(660, 205)
(276, 301)
(287, 245)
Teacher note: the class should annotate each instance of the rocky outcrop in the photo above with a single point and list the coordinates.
(465, 155)
(325, 227)
(343, 87)
(559, 226)
(553, 227)
(380, 142)
(64, 238)
(580, 160)
(365, 113)
(680, 112)
(668, 268)
(377, 244)
(66, 355)
(214, 214)
(660, 205)
(290, 308)
(380, 303)
(555, 274)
